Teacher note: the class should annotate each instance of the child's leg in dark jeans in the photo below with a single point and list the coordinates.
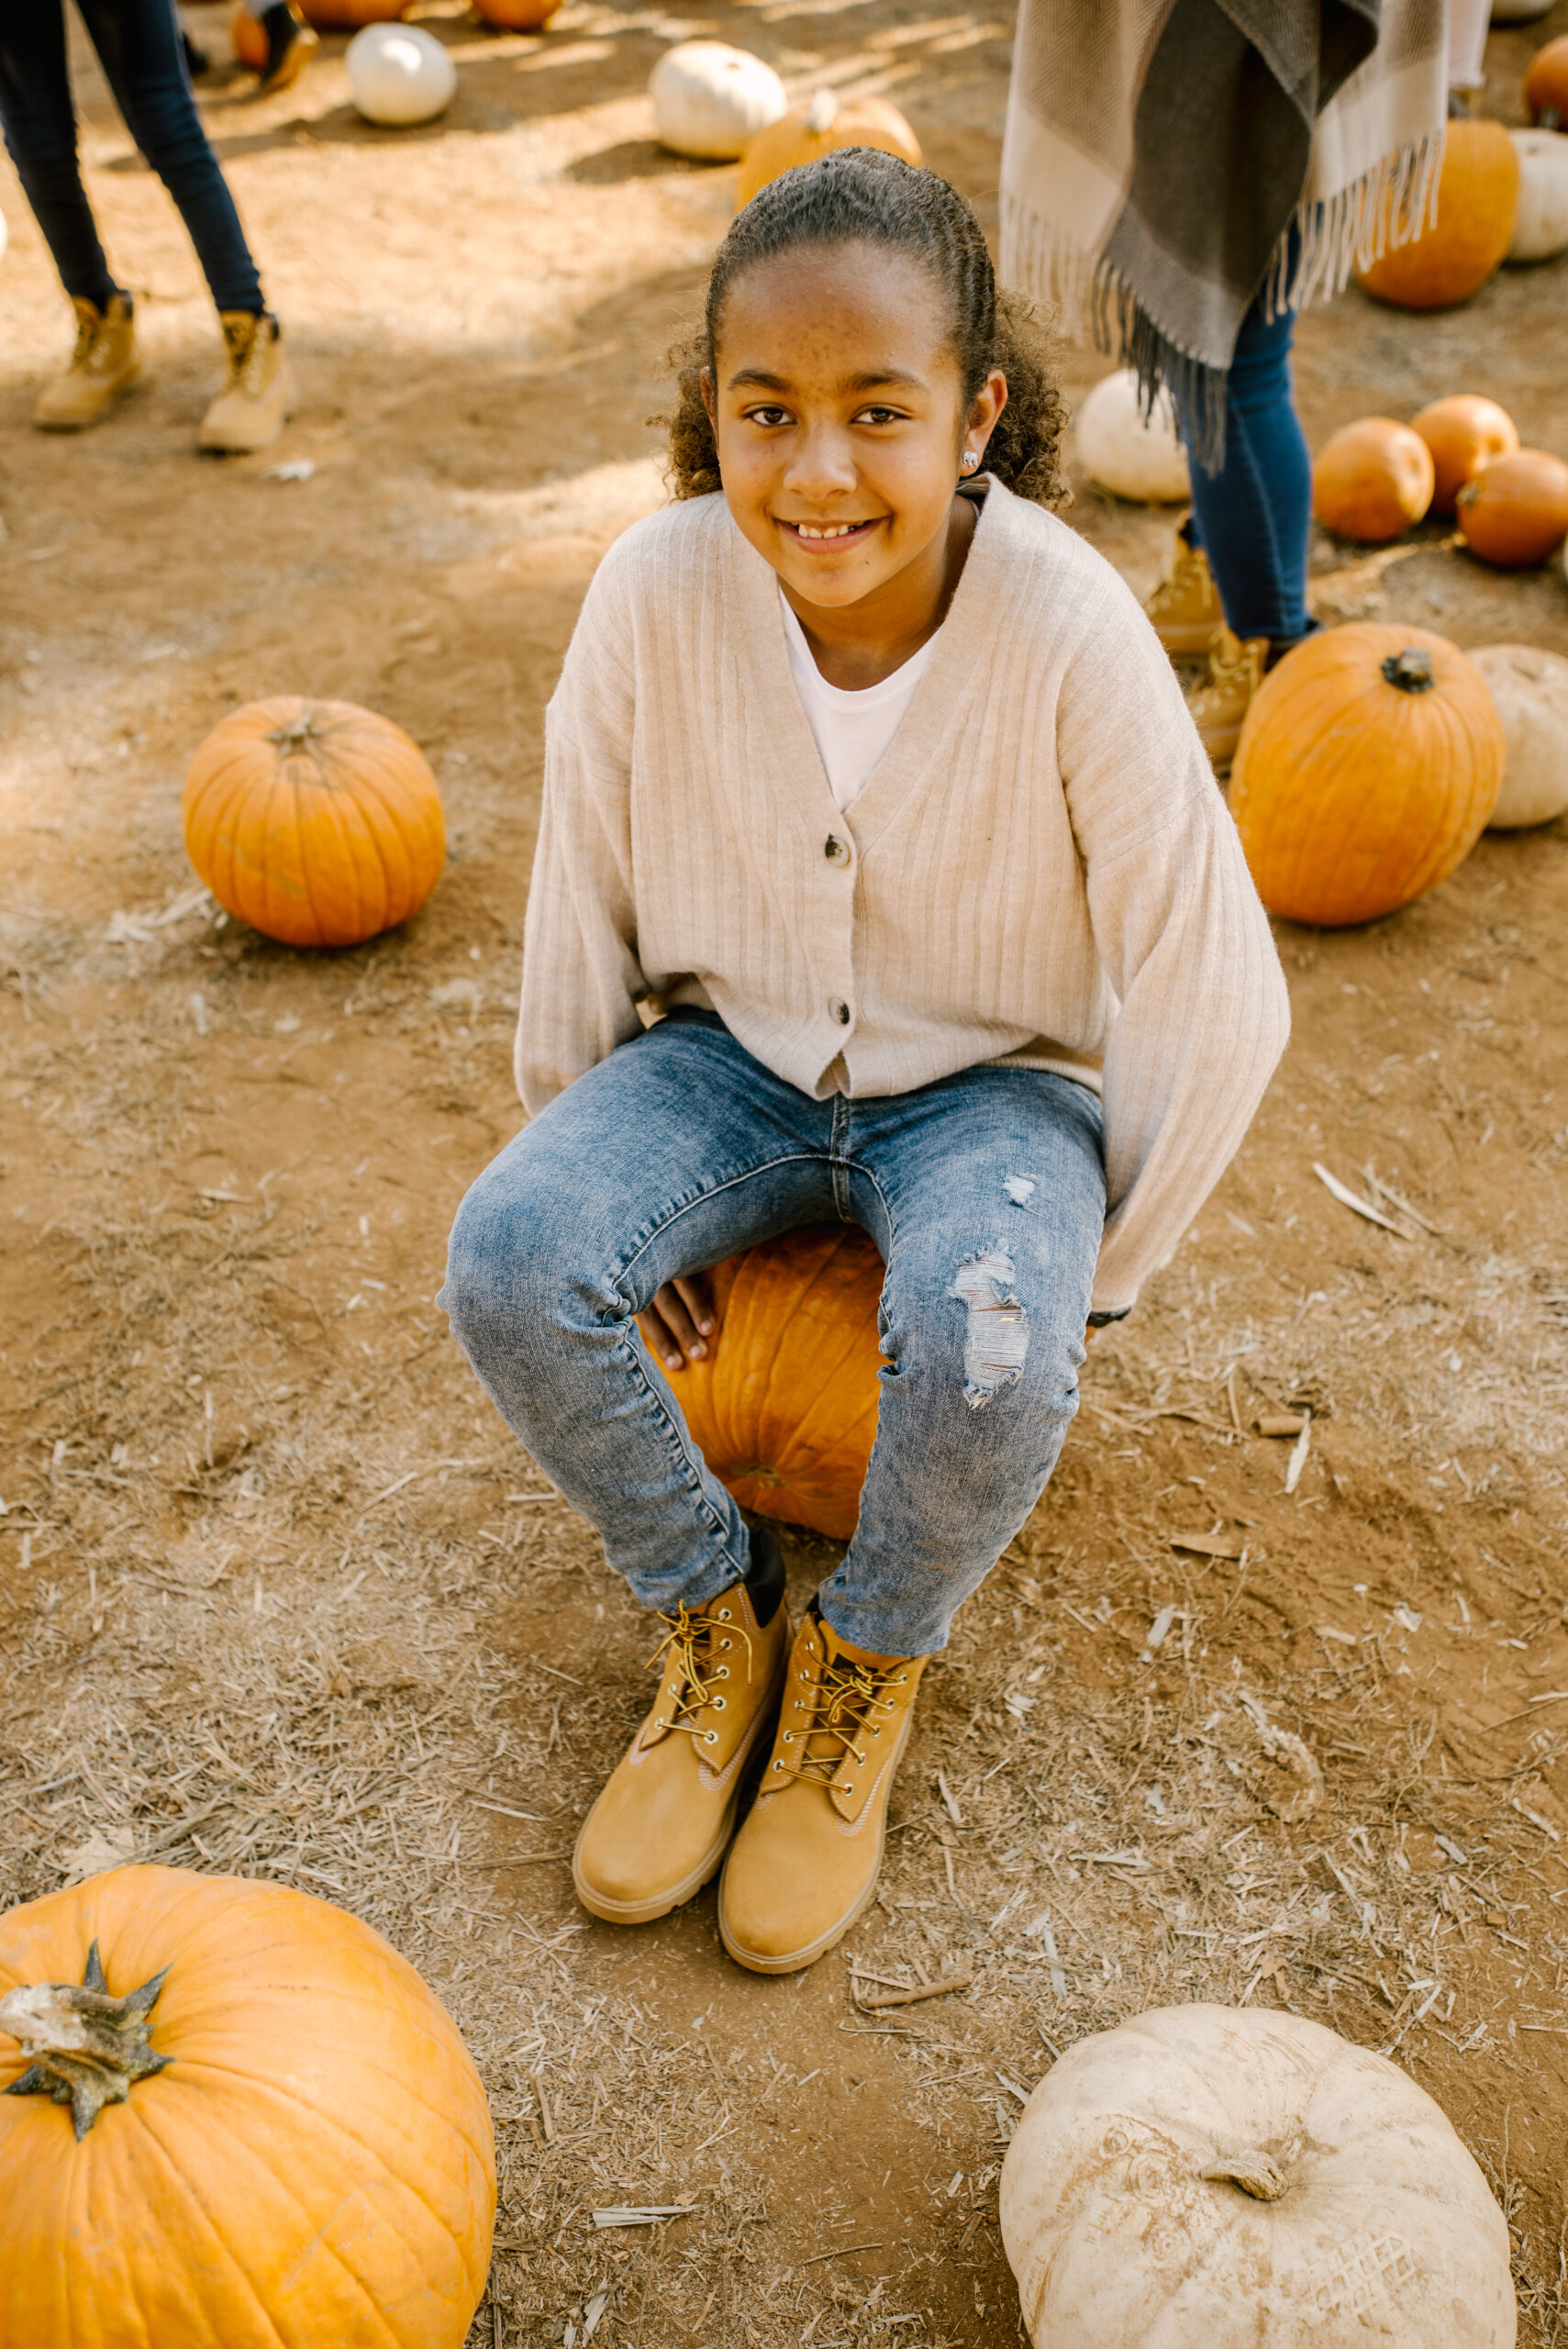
(139, 44)
(1254, 517)
(40, 138)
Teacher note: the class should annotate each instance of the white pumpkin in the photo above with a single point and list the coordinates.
(1541, 220)
(710, 99)
(1531, 689)
(1134, 457)
(1220, 2178)
(399, 75)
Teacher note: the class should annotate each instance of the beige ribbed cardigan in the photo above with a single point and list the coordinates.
(1040, 871)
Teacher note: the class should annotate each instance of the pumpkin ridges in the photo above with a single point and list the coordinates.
(353, 843)
(318, 1983)
(335, 876)
(1352, 798)
(789, 1306)
(188, 2187)
(310, 2211)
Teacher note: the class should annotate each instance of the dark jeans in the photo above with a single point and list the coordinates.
(139, 44)
(1253, 517)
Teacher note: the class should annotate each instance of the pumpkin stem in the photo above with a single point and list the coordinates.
(1254, 2173)
(297, 735)
(88, 2047)
(1410, 671)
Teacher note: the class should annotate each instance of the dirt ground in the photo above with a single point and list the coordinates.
(277, 1591)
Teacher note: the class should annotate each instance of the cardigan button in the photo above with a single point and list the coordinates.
(840, 1012)
(834, 848)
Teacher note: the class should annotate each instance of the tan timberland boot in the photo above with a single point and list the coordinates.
(1220, 704)
(660, 1827)
(104, 365)
(1188, 616)
(258, 399)
(805, 1864)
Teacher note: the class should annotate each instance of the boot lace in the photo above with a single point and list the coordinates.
(849, 1702)
(695, 1642)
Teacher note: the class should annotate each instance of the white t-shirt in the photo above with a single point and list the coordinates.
(851, 730)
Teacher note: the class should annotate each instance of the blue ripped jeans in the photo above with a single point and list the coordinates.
(985, 1193)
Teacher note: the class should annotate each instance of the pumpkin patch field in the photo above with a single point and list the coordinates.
(1266, 1708)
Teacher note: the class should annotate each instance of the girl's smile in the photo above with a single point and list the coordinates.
(841, 425)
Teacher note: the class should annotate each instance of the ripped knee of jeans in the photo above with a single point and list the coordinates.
(997, 1337)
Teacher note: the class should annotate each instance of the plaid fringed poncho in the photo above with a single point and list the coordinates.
(1159, 154)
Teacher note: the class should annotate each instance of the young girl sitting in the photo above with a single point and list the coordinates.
(868, 776)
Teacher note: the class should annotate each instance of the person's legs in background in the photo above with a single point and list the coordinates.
(291, 43)
(140, 47)
(41, 137)
(1248, 535)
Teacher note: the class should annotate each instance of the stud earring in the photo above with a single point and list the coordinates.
(970, 459)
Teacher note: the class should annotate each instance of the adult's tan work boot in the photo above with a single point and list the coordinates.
(1188, 616)
(660, 1827)
(1219, 704)
(258, 398)
(104, 365)
(805, 1864)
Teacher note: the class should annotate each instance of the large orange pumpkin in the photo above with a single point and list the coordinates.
(273, 2134)
(816, 129)
(347, 16)
(515, 16)
(1478, 190)
(249, 39)
(1368, 764)
(1465, 434)
(1371, 480)
(1516, 512)
(785, 1406)
(316, 822)
(1546, 84)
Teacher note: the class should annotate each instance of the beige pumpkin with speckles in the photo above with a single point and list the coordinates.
(1218, 2177)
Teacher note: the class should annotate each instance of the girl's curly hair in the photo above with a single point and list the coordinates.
(858, 195)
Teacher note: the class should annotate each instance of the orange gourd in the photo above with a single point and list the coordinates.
(784, 1406)
(809, 132)
(1368, 766)
(279, 2135)
(1478, 191)
(250, 40)
(316, 822)
(1516, 512)
(514, 16)
(1465, 434)
(347, 16)
(1371, 480)
(1546, 84)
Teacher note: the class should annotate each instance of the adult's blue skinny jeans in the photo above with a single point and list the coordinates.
(984, 1194)
(1254, 516)
(139, 46)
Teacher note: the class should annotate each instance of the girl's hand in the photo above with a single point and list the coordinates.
(681, 1323)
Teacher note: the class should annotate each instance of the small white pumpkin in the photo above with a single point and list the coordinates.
(710, 99)
(1136, 458)
(399, 75)
(1540, 221)
(1219, 2177)
(1531, 689)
